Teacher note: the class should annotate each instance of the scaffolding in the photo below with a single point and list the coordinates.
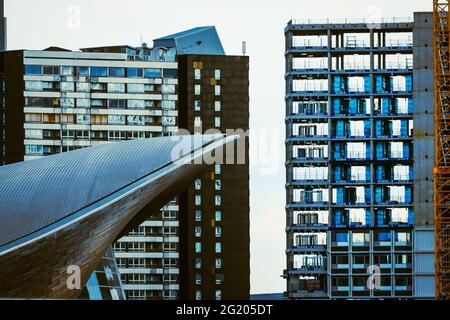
(442, 149)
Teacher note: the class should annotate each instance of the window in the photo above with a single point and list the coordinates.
(120, 246)
(68, 134)
(33, 86)
(168, 105)
(136, 278)
(67, 103)
(198, 231)
(34, 150)
(136, 88)
(136, 120)
(99, 72)
(218, 263)
(197, 122)
(218, 232)
(198, 279)
(198, 184)
(198, 247)
(83, 87)
(67, 71)
(152, 73)
(67, 87)
(218, 200)
(33, 117)
(83, 119)
(99, 87)
(198, 295)
(217, 122)
(136, 263)
(168, 121)
(197, 90)
(217, 106)
(116, 87)
(136, 294)
(219, 278)
(217, 74)
(136, 104)
(170, 73)
(198, 216)
(83, 103)
(168, 89)
(197, 105)
(117, 104)
(218, 185)
(198, 263)
(34, 134)
(198, 200)
(116, 120)
(197, 74)
(117, 72)
(136, 247)
(83, 71)
(217, 169)
(33, 69)
(218, 247)
(218, 216)
(52, 70)
(82, 135)
(116, 135)
(217, 90)
(134, 72)
(218, 294)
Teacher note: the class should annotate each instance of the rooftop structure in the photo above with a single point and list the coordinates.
(45, 231)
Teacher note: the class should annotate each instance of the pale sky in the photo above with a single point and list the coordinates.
(39, 24)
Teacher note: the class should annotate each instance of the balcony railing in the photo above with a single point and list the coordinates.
(351, 21)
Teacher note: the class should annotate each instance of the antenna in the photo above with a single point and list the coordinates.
(244, 47)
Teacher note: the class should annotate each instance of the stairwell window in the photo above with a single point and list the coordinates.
(217, 74)
(197, 105)
(197, 90)
(217, 90)
(217, 106)
(197, 74)
(217, 122)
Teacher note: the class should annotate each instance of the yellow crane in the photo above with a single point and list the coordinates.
(442, 148)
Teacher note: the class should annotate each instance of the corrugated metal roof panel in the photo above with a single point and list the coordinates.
(38, 193)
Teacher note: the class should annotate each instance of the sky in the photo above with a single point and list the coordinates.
(75, 24)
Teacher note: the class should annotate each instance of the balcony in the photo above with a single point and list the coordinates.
(306, 270)
(340, 288)
(403, 266)
(303, 294)
(340, 266)
(339, 244)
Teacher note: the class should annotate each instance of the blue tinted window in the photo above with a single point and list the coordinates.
(134, 72)
(342, 237)
(99, 72)
(33, 69)
(170, 73)
(117, 72)
(83, 71)
(152, 73)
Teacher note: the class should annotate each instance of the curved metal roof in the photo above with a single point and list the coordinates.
(38, 193)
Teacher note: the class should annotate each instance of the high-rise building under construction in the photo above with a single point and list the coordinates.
(359, 150)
